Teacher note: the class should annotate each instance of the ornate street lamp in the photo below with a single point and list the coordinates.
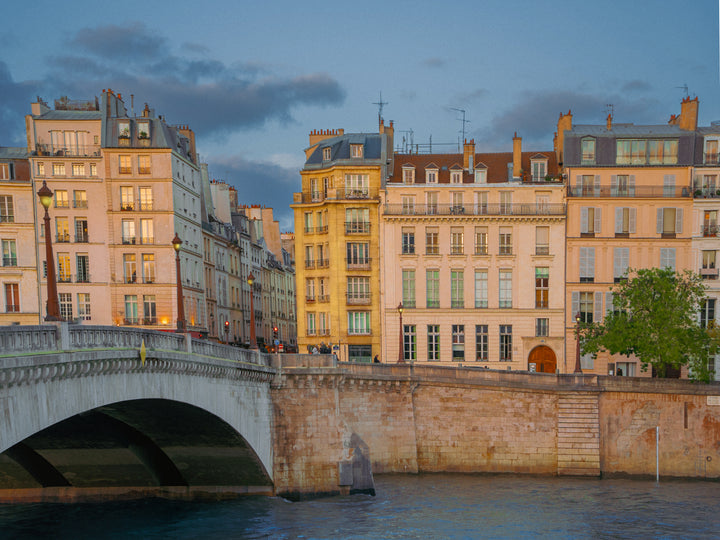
(176, 243)
(578, 368)
(52, 306)
(401, 352)
(253, 341)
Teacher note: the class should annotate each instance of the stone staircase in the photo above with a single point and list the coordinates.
(578, 435)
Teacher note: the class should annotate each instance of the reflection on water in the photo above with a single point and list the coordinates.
(423, 506)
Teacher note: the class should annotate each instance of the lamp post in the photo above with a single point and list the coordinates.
(578, 368)
(253, 341)
(176, 243)
(53, 306)
(401, 355)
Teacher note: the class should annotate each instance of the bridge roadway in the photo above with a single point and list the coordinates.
(82, 415)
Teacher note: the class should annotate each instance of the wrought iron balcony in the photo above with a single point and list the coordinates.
(634, 191)
(519, 209)
(91, 150)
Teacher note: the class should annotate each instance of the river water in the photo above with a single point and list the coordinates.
(407, 506)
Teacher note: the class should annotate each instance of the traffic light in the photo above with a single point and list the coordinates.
(227, 326)
(275, 332)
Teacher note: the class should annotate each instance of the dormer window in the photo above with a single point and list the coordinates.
(481, 176)
(711, 152)
(124, 129)
(143, 129)
(588, 151)
(539, 169)
(431, 176)
(408, 175)
(327, 153)
(456, 177)
(356, 150)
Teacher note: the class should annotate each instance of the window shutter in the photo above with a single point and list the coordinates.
(575, 306)
(609, 302)
(613, 185)
(597, 315)
(598, 220)
(597, 185)
(618, 220)
(678, 220)
(578, 183)
(659, 220)
(631, 185)
(632, 220)
(584, 219)
(590, 262)
(617, 262)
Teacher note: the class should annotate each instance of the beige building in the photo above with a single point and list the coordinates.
(473, 248)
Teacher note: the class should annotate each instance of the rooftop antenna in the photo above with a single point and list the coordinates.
(410, 139)
(610, 109)
(684, 87)
(463, 120)
(380, 105)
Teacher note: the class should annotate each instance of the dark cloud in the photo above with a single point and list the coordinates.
(636, 86)
(534, 116)
(471, 97)
(259, 183)
(434, 62)
(14, 100)
(132, 42)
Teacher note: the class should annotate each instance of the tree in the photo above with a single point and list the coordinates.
(654, 316)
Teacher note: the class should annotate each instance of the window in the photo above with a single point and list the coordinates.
(433, 335)
(642, 152)
(408, 288)
(148, 262)
(62, 229)
(667, 258)
(669, 185)
(323, 327)
(66, 307)
(357, 220)
(432, 239)
(625, 219)
(588, 305)
(622, 185)
(64, 274)
(432, 288)
(587, 264)
(542, 327)
(58, 169)
(143, 129)
(125, 165)
(711, 152)
(93, 169)
(80, 199)
(124, 128)
(130, 267)
(147, 235)
(662, 152)
(408, 175)
(481, 176)
(7, 171)
(408, 241)
(143, 164)
(358, 322)
(358, 290)
(456, 177)
(131, 309)
(61, 199)
(707, 313)
(360, 353)
(327, 153)
(408, 204)
(311, 328)
(542, 240)
(710, 223)
(127, 200)
(481, 241)
(457, 294)
(588, 151)
(432, 202)
(149, 309)
(481, 288)
(542, 287)
(83, 300)
(481, 202)
(82, 265)
(621, 257)
(7, 213)
(506, 343)
(431, 176)
(539, 170)
(356, 150)
(146, 198)
(323, 296)
(81, 230)
(506, 202)
(9, 253)
(308, 227)
(505, 288)
(481, 342)
(456, 241)
(669, 221)
(12, 297)
(41, 169)
(78, 169)
(409, 343)
(357, 254)
(128, 231)
(310, 290)
(590, 220)
(458, 342)
(457, 203)
(506, 241)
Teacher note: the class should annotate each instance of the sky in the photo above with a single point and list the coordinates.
(252, 79)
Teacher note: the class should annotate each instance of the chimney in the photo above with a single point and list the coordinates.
(469, 155)
(564, 124)
(185, 130)
(689, 114)
(517, 155)
(608, 125)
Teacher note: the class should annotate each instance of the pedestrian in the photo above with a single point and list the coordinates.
(376, 360)
(315, 350)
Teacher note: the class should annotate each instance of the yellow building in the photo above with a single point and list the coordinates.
(336, 241)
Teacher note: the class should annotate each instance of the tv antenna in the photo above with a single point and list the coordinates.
(463, 120)
(610, 109)
(684, 87)
(380, 105)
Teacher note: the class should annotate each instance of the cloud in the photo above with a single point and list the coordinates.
(434, 62)
(14, 100)
(471, 97)
(636, 86)
(131, 42)
(534, 116)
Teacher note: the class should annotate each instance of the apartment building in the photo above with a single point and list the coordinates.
(472, 260)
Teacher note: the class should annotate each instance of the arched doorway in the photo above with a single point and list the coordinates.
(544, 359)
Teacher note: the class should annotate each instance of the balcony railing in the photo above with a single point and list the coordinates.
(636, 191)
(709, 273)
(80, 203)
(9, 261)
(542, 250)
(64, 278)
(358, 298)
(309, 298)
(324, 298)
(354, 227)
(82, 278)
(711, 158)
(323, 263)
(358, 264)
(457, 304)
(81, 238)
(147, 240)
(12, 308)
(127, 206)
(145, 206)
(710, 230)
(131, 320)
(335, 194)
(481, 250)
(128, 240)
(92, 150)
(150, 320)
(309, 263)
(520, 209)
(62, 237)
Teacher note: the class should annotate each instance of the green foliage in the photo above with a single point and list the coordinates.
(655, 318)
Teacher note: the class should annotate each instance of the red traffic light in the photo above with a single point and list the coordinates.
(274, 328)
(227, 324)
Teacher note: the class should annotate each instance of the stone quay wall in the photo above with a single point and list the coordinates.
(435, 419)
